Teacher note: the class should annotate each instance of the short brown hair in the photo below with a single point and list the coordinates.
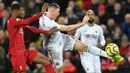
(54, 5)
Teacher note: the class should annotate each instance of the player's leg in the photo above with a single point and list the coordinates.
(19, 63)
(56, 56)
(97, 64)
(91, 49)
(87, 62)
(60, 70)
(42, 59)
(96, 51)
(37, 57)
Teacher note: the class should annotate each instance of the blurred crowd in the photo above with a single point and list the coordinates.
(112, 15)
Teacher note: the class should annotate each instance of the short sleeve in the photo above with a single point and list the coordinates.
(77, 34)
(46, 24)
(57, 25)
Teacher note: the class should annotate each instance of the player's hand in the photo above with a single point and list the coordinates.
(85, 19)
(44, 7)
(99, 45)
(52, 31)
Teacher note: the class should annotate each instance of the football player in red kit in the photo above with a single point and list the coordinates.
(18, 54)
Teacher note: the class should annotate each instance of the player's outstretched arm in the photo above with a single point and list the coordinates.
(74, 26)
(33, 18)
(36, 30)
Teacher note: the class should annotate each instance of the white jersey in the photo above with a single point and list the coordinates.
(90, 35)
(58, 42)
(46, 23)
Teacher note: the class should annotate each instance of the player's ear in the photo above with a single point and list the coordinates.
(52, 10)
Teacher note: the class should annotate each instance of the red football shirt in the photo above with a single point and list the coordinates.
(16, 35)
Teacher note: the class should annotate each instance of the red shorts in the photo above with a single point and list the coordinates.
(19, 61)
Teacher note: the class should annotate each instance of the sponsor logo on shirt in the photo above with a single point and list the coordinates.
(91, 35)
(95, 31)
(20, 67)
(88, 35)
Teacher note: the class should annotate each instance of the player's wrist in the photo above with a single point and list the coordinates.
(42, 12)
(83, 23)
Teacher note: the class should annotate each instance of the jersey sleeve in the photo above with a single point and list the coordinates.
(21, 22)
(34, 30)
(101, 37)
(78, 34)
(47, 24)
(56, 25)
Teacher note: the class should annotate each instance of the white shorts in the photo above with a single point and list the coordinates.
(56, 49)
(90, 63)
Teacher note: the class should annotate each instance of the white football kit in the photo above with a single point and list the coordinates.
(90, 35)
(57, 43)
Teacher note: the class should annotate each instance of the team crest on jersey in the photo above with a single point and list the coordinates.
(18, 19)
(20, 67)
(21, 30)
(95, 31)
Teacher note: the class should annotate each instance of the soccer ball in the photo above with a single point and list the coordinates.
(112, 49)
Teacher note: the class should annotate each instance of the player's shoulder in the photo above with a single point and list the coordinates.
(44, 17)
(11, 19)
(98, 26)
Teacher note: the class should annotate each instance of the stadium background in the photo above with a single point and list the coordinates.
(112, 15)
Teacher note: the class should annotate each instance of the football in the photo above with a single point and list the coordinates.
(112, 49)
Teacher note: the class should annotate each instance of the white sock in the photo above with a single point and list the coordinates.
(97, 51)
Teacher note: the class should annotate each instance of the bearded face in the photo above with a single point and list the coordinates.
(91, 15)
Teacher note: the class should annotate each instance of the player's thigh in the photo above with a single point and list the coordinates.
(97, 65)
(80, 46)
(41, 59)
(19, 63)
(36, 57)
(60, 70)
(68, 42)
(56, 54)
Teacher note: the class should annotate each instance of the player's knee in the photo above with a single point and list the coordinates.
(84, 48)
(80, 46)
(60, 70)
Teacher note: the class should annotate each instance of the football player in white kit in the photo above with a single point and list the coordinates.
(58, 42)
(91, 34)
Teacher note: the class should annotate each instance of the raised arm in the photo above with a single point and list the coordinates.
(36, 30)
(74, 26)
(31, 19)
